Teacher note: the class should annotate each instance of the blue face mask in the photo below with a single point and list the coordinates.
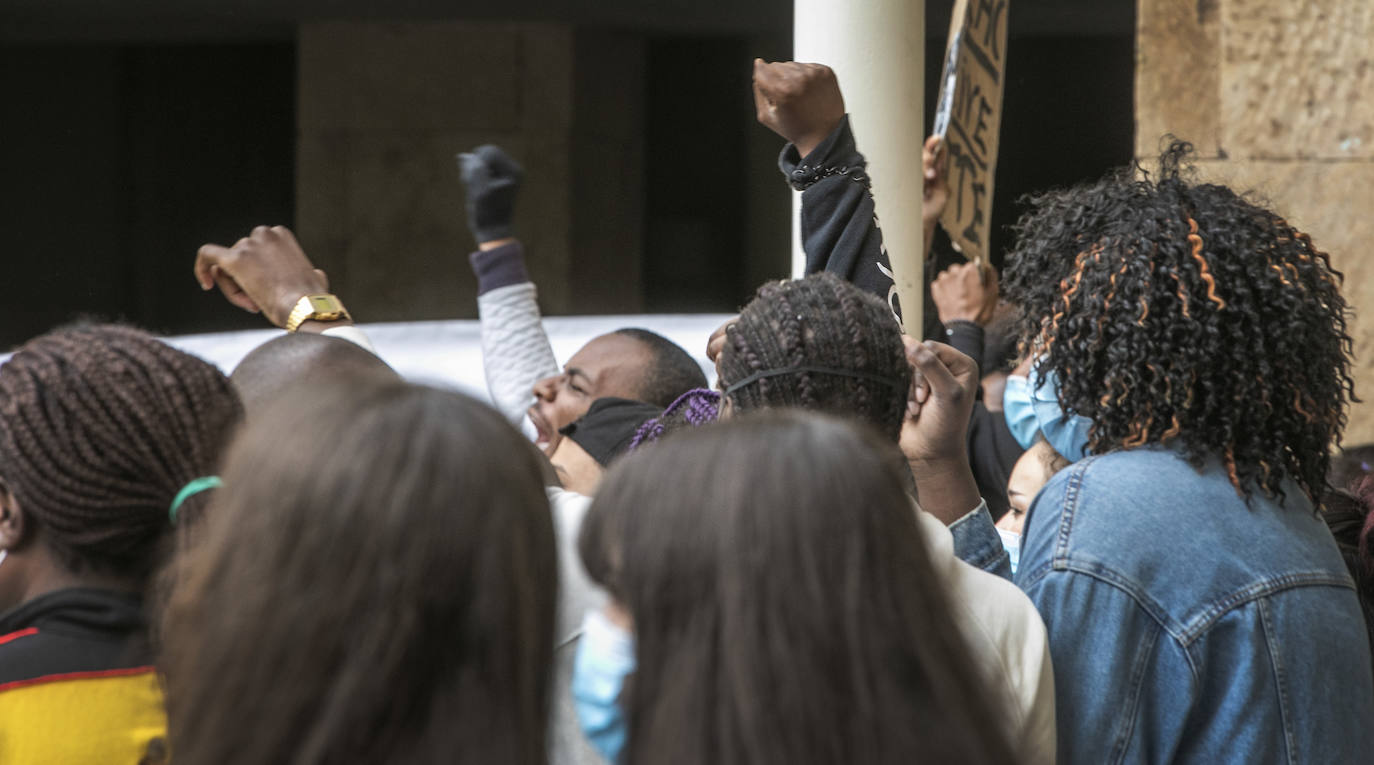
(1011, 542)
(1017, 409)
(1031, 404)
(605, 657)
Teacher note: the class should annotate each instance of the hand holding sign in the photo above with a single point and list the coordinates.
(800, 102)
(936, 179)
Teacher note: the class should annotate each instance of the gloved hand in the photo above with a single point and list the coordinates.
(492, 180)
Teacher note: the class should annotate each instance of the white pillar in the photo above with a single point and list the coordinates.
(877, 49)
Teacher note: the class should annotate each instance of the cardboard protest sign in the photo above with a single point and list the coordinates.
(968, 118)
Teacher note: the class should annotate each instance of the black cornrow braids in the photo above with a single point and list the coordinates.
(1186, 314)
(819, 323)
(100, 428)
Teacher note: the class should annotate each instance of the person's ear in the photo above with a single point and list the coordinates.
(12, 520)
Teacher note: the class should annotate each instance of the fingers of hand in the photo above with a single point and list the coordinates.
(920, 389)
(962, 370)
(502, 164)
(934, 372)
(284, 234)
(767, 78)
(716, 343)
(207, 258)
(233, 292)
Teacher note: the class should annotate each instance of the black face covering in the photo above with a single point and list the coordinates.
(607, 428)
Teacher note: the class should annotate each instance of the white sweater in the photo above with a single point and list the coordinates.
(576, 596)
(1008, 639)
(515, 349)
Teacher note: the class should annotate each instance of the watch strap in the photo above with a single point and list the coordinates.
(322, 307)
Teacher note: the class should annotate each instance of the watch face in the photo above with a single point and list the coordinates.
(323, 304)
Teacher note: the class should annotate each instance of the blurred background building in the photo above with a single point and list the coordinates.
(135, 131)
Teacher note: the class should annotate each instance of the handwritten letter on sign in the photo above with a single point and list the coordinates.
(968, 118)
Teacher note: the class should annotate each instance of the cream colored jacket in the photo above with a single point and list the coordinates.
(1008, 639)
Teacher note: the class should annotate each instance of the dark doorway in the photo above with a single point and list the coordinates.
(699, 106)
(120, 160)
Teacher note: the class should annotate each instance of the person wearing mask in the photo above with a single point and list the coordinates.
(592, 441)
(523, 377)
(375, 582)
(1194, 345)
(268, 271)
(824, 345)
(774, 600)
(1032, 471)
(109, 440)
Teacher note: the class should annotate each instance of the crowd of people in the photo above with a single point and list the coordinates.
(1096, 514)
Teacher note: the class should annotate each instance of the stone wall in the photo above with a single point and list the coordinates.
(384, 107)
(1278, 97)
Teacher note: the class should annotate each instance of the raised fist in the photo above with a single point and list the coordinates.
(492, 181)
(965, 292)
(265, 271)
(800, 102)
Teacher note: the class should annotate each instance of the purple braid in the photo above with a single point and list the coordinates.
(694, 408)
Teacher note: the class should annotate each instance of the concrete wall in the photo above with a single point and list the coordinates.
(383, 109)
(1278, 97)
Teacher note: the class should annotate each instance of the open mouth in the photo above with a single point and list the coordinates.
(544, 438)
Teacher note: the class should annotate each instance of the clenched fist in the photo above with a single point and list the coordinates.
(800, 102)
(965, 292)
(265, 271)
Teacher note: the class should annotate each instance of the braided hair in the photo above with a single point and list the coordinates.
(100, 428)
(694, 408)
(1185, 314)
(818, 323)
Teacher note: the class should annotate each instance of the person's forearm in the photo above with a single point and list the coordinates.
(515, 349)
(838, 225)
(946, 488)
(967, 337)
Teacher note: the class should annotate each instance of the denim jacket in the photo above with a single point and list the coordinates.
(1187, 627)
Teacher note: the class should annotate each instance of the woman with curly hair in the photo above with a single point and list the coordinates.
(1197, 346)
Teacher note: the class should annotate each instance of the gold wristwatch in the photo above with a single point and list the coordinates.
(315, 308)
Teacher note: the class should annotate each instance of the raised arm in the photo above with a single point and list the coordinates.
(802, 103)
(515, 349)
(267, 272)
(933, 441)
(965, 296)
(839, 226)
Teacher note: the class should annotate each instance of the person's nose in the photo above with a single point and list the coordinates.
(547, 388)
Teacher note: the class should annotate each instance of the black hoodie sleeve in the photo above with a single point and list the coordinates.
(838, 227)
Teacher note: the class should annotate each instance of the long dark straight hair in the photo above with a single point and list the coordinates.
(375, 582)
(784, 605)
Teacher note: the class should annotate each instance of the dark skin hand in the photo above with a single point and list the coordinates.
(800, 102)
(935, 192)
(965, 291)
(716, 343)
(938, 410)
(267, 272)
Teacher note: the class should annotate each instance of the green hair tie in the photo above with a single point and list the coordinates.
(204, 483)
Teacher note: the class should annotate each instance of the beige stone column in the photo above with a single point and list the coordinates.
(877, 49)
(1278, 97)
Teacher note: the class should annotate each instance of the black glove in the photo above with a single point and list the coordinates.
(492, 180)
